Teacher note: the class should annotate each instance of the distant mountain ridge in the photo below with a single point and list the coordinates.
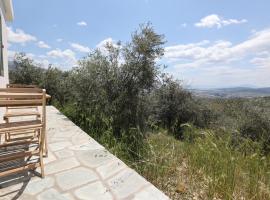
(244, 92)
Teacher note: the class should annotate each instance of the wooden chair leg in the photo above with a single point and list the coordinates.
(41, 164)
(7, 135)
(41, 148)
(46, 145)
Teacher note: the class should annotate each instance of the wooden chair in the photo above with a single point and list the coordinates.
(20, 111)
(23, 154)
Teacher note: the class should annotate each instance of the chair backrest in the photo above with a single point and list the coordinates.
(14, 97)
(17, 97)
(21, 90)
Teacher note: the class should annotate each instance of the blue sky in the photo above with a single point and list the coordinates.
(210, 43)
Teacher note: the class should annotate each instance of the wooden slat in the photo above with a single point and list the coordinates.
(5, 103)
(24, 142)
(22, 125)
(21, 113)
(29, 130)
(30, 166)
(21, 86)
(23, 107)
(22, 90)
(15, 156)
(22, 138)
(20, 95)
(19, 132)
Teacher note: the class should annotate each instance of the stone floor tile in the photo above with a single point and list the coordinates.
(37, 185)
(150, 193)
(61, 165)
(65, 153)
(126, 183)
(75, 178)
(80, 138)
(60, 145)
(50, 158)
(51, 194)
(94, 158)
(93, 191)
(90, 145)
(110, 168)
(68, 196)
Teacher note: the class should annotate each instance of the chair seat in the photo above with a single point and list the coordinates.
(10, 113)
(13, 126)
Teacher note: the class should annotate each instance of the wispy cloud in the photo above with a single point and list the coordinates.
(102, 45)
(58, 53)
(80, 48)
(59, 40)
(215, 20)
(66, 58)
(82, 23)
(43, 45)
(19, 36)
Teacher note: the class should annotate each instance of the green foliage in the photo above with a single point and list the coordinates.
(244, 118)
(57, 84)
(25, 71)
(175, 106)
(191, 133)
(110, 95)
(257, 128)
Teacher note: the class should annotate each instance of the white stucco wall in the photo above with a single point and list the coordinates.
(4, 79)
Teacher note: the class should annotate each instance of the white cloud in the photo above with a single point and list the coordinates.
(64, 60)
(222, 63)
(58, 53)
(214, 20)
(19, 36)
(43, 62)
(262, 60)
(43, 45)
(67, 58)
(102, 45)
(82, 23)
(106, 41)
(59, 40)
(80, 48)
(203, 52)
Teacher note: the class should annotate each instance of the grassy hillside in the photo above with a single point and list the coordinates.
(213, 163)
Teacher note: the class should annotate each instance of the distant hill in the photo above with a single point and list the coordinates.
(244, 92)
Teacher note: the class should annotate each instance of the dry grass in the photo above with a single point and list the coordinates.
(207, 168)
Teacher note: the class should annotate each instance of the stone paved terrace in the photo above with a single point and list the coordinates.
(78, 168)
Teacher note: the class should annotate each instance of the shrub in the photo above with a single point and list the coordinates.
(257, 128)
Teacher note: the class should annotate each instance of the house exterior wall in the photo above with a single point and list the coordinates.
(4, 79)
(6, 12)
